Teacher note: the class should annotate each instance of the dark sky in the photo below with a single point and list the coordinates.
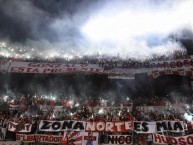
(29, 19)
(32, 20)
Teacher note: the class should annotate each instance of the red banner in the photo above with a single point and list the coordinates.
(157, 73)
(183, 140)
(80, 138)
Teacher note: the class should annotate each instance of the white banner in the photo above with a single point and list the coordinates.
(55, 126)
(119, 139)
(137, 126)
(144, 127)
(158, 126)
(10, 143)
(38, 67)
(19, 127)
(39, 138)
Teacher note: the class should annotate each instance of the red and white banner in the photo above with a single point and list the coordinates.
(10, 143)
(119, 139)
(125, 73)
(90, 138)
(183, 72)
(56, 139)
(183, 140)
(38, 67)
(19, 127)
(74, 137)
(173, 64)
(120, 126)
(55, 126)
(80, 138)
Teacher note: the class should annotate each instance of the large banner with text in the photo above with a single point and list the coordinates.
(182, 140)
(38, 67)
(121, 126)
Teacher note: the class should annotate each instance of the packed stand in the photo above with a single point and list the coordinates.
(138, 108)
(21, 53)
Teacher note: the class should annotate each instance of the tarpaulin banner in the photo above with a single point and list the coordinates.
(158, 126)
(121, 126)
(184, 72)
(74, 137)
(172, 64)
(19, 127)
(10, 143)
(55, 126)
(119, 139)
(39, 138)
(38, 67)
(80, 138)
(183, 140)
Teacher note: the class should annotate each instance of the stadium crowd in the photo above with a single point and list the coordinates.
(20, 53)
(33, 108)
(135, 108)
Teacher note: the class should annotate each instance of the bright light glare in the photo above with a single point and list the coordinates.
(127, 24)
(5, 98)
(54, 98)
(101, 111)
(188, 117)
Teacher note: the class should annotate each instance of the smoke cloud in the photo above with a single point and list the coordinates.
(129, 28)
